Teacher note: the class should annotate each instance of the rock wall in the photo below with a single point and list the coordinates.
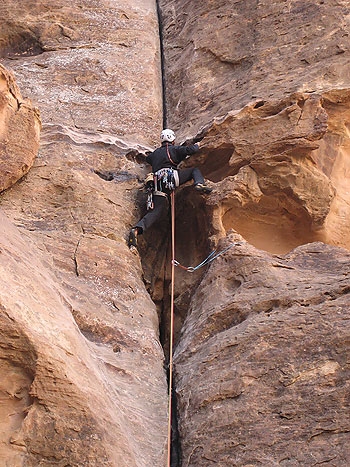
(222, 55)
(19, 131)
(92, 390)
(66, 394)
(273, 94)
(262, 354)
(262, 364)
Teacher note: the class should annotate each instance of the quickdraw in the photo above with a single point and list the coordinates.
(150, 204)
(213, 255)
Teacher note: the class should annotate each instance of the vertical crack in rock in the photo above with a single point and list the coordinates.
(192, 246)
(75, 258)
(162, 61)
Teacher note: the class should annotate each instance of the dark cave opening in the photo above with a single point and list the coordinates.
(217, 164)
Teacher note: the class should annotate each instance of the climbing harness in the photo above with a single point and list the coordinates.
(213, 255)
(161, 183)
(166, 180)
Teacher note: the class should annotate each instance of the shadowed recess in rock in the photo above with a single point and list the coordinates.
(271, 228)
(18, 42)
(192, 245)
(281, 171)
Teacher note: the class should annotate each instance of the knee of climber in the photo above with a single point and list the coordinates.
(197, 176)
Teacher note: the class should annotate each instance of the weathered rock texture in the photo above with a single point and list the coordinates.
(221, 55)
(274, 96)
(67, 399)
(262, 335)
(262, 359)
(263, 362)
(19, 131)
(80, 332)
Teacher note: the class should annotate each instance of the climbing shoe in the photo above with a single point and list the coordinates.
(132, 238)
(203, 188)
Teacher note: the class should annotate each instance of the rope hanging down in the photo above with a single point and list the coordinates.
(213, 255)
(171, 337)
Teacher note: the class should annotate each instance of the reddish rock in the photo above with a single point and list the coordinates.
(262, 364)
(94, 379)
(262, 355)
(76, 387)
(228, 54)
(19, 131)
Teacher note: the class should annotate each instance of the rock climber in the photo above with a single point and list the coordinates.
(164, 161)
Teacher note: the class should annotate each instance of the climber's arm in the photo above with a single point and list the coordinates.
(182, 152)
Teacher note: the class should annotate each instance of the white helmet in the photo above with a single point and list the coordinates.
(167, 135)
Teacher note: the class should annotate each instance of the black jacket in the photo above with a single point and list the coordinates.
(159, 159)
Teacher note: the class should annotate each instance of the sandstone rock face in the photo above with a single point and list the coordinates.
(222, 55)
(264, 86)
(262, 365)
(85, 56)
(262, 356)
(66, 395)
(273, 95)
(92, 389)
(19, 131)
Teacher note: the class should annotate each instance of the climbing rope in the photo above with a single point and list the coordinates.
(171, 337)
(213, 255)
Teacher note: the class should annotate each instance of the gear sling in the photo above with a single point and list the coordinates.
(161, 183)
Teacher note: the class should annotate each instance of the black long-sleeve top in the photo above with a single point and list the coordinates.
(159, 159)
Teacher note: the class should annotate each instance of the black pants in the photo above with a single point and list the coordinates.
(186, 175)
(161, 203)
